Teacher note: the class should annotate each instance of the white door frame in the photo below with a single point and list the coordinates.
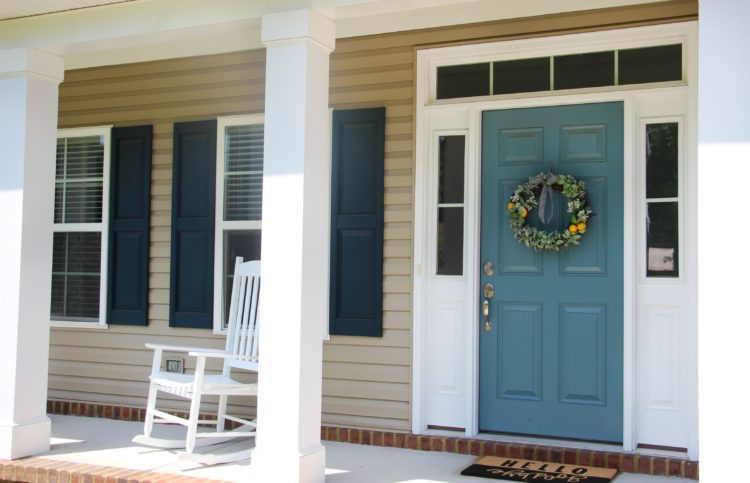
(431, 115)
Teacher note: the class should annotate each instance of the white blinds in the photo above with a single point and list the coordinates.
(79, 180)
(243, 172)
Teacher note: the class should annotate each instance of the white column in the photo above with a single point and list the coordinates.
(293, 304)
(724, 234)
(29, 82)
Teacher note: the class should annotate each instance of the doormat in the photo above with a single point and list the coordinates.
(512, 469)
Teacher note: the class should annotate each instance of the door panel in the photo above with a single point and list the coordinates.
(551, 364)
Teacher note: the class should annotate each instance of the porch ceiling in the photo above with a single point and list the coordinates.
(10, 9)
(90, 33)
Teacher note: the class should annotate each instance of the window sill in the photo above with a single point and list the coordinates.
(62, 324)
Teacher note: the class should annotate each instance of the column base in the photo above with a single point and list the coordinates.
(19, 440)
(308, 466)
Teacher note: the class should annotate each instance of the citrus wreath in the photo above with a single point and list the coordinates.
(524, 199)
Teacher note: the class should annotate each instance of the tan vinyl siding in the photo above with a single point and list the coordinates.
(367, 381)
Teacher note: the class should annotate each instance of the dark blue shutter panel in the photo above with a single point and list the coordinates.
(193, 192)
(356, 305)
(130, 209)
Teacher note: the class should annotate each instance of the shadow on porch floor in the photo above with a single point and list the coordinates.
(86, 448)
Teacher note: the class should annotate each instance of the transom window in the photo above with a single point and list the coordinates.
(553, 73)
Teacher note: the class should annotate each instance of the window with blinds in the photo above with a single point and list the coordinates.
(239, 191)
(79, 222)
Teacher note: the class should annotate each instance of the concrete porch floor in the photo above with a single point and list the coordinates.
(78, 441)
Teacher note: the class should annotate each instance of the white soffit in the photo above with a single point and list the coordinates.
(27, 8)
(125, 31)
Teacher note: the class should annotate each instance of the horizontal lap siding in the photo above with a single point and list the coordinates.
(111, 366)
(367, 381)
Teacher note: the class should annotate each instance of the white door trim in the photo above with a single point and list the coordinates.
(429, 110)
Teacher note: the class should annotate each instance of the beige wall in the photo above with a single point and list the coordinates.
(367, 381)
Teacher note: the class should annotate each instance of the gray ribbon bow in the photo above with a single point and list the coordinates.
(545, 181)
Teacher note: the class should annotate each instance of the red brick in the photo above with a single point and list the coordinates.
(515, 452)
(463, 446)
(660, 466)
(501, 450)
(475, 447)
(411, 441)
(367, 437)
(400, 441)
(451, 445)
(527, 452)
(644, 464)
(614, 460)
(541, 453)
(570, 456)
(585, 458)
(628, 463)
(674, 468)
(425, 443)
(355, 436)
(691, 470)
(437, 443)
(555, 455)
(344, 435)
(388, 440)
(377, 438)
(599, 460)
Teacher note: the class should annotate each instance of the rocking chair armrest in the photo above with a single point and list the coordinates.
(218, 354)
(180, 348)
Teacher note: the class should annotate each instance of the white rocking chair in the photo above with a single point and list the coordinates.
(241, 352)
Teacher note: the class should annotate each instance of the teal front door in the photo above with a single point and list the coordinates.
(551, 361)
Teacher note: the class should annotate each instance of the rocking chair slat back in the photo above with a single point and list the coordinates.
(242, 329)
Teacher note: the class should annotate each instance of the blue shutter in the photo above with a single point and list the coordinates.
(356, 305)
(130, 209)
(193, 192)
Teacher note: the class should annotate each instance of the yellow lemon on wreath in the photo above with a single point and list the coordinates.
(510, 206)
(524, 213)
(582, 227)
(573, 228)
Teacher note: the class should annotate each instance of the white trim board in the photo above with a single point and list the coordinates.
(466, 114)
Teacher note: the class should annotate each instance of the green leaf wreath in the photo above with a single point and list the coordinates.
(524, 200)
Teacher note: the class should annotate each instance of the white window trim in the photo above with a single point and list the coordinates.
(220, 225)
(106, 133)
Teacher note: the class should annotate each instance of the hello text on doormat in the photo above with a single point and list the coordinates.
(511, 469)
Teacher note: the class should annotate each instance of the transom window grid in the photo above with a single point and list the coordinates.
(79, 227)
(606, 68)
(239, 196)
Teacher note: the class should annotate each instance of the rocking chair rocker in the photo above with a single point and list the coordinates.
(241, 352)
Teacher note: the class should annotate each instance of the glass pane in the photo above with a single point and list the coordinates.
(585, 70)
(662, 240)
(450, 241)
(463, 81)
(243, 172)
(525, 75)
(662, 160)
(237, 243)
(79, 176)
(451, 177)
(651, 64)
(76, 264)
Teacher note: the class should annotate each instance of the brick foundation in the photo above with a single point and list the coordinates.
(622, 461)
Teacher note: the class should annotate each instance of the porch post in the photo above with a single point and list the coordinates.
(296, 209)
(29, 82)
(724, 257)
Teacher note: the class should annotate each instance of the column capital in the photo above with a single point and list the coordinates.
(23, 62)
(298, 26)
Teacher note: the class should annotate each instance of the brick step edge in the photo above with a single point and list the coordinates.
(626, 462)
